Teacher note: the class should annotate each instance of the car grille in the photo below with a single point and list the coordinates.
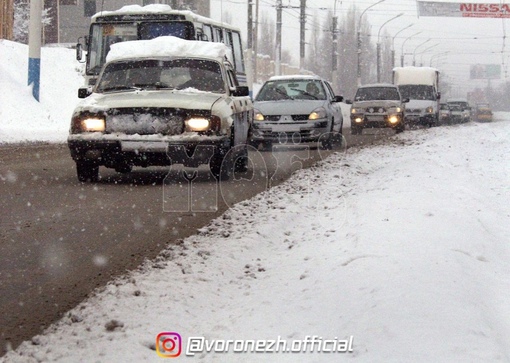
(145, 121)
(413, 110)
(287, 136)
(375, 110)
(294, 117)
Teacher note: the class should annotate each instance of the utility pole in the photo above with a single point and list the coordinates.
(255, 42)
(335, 48)
(302, 35)
(278, 44)
(249, 51)
(34, 47)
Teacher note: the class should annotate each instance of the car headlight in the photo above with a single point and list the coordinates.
(196, 124)
(257, 115)
(201, 123)
(395, 109)
(393, 119)
(430, 109)
(318, 113)
(88, 123)
(356, 110)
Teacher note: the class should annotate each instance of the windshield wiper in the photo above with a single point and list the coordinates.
(305, 93)
(119, 88)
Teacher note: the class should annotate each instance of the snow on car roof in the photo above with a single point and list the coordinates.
(159, 9)
(378, 85)
(415, 75)
(293, 76)
(167, 46)
(136, 9)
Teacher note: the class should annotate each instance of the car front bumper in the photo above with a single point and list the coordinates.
(375, 121)
(146, 151)
(289, 133)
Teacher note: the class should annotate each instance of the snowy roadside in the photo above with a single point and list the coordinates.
(401, 246)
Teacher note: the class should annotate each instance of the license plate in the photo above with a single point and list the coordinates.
(375, 118)
(144, 146)
(284, 128)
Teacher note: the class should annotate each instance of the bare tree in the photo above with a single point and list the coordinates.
(266, 37)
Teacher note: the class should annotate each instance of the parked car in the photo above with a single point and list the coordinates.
(297, 109)
(161, 102)
(377, 106)
(461, 110)
(483, 112)
(445, 113)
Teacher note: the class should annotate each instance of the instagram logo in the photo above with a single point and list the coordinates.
(168, 344)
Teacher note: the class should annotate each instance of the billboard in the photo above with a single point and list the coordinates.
(463, 10)
(485, 71)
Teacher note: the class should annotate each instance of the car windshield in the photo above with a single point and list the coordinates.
(458, 105)
(292, 89)
(417, 92)
(195, 74)
(377, 93)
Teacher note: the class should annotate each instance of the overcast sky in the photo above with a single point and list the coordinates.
(468, 40)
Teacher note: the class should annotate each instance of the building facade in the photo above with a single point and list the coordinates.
(70, 19)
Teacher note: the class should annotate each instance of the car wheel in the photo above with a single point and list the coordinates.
(87, 171)
(123, 168)
(267, 145)
(241, 162)
(356, 130)
(326, 142)
(400, 128)
(220, 166)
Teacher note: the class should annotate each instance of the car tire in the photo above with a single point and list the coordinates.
(123, 168)
(267, 145)
(87, 171)
(356, 130)
(220, 166)
(400, 128)
(241, 162)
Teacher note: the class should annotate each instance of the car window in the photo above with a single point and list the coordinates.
(330, 91)
(377, 93)
(203, 75)
(292, 89)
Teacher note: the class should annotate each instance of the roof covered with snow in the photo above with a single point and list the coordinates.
(415, 75)
(159, 9)
(167, 46)
(293, 76)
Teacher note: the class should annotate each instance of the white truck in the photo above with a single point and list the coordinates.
(421, 86)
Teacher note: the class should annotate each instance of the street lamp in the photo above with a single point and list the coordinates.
(402, 52)
(378, 49)
(393, 44)
(359, 39)
(424, 51)
(415, 49)
(437, 55)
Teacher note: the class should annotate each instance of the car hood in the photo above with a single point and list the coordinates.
(158, 98)
(377, 103)
(288, 107)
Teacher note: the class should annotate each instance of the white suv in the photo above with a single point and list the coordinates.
(377, 105)
(161, 102)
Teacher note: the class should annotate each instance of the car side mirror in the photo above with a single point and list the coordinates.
(79, 52)
(338, 99)
(241, 91)
(405, 100)
(439, 95)
(84, 92)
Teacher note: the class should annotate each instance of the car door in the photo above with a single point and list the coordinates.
(335, 108)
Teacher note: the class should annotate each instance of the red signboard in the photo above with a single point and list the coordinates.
(465, 10)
